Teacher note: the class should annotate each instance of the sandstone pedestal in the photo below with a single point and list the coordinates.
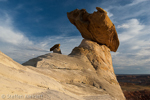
(86, 72)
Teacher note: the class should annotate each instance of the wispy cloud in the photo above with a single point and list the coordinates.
(132, 28)
(133, 52)
(132, 24)
(9, 34)
(137, 8)
(19, 44)
(135, 2)
(123, 26)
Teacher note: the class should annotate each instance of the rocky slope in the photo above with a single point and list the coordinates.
(20, 82)
(85, 74)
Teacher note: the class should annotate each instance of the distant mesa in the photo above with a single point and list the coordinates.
(56, 49)
(96, 27)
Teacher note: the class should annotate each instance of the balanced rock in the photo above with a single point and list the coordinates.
(96, 27)
(56, 49)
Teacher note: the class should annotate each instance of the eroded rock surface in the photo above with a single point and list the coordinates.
(86, 74)
(87, 71)
(96, 27)
(55, 77)
(100, 58)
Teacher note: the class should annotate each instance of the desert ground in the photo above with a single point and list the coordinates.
(135, 87)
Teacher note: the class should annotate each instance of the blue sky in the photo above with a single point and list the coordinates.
(28, 28)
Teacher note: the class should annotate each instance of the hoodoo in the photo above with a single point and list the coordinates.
(85, 74)
(96, 27)
(56, 49)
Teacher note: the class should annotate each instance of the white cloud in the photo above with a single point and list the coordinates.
(67, 43)
(133, 52)
(132, 29)
(41, 47)
(135, 2)
(137, 8)
(108, 13)
(123, 26)
(18, 46)
(9, 34)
